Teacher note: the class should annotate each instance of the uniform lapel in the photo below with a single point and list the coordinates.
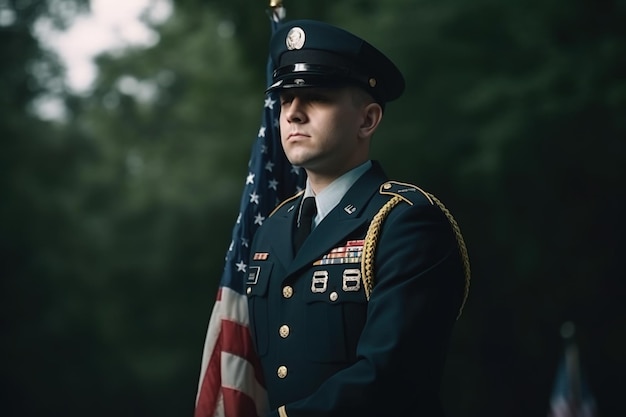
(283, 232)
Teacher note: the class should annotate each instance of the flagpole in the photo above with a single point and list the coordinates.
(277, 11)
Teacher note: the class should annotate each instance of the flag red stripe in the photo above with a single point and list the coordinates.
(237, 403)
(236, 339)
(208, 395)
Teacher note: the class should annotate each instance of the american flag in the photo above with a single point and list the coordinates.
(231, 383)
(571, 396)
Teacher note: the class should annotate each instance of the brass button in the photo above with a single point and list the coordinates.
(283, 331)
(287, 291)
(333, 296)
(282, 372)
(249, 290)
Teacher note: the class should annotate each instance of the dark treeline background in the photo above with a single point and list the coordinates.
(114, 221)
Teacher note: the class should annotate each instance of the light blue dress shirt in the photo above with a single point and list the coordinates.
(330, 196)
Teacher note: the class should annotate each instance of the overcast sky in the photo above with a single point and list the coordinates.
(111, 25)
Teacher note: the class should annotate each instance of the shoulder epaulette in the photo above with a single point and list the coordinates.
(405, 191)
(293, 197)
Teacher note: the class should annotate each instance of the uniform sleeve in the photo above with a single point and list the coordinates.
(400, 355)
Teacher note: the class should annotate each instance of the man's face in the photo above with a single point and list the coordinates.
(320, 129)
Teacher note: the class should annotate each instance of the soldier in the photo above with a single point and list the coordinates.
(355, 283)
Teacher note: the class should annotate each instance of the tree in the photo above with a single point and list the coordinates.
(116, 220)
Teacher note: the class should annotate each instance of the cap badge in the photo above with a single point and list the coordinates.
(295, 38)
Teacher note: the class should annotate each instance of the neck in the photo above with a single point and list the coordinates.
(319, 181)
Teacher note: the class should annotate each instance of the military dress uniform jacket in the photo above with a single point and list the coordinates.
(325, 349)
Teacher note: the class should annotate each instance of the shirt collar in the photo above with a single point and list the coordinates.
(330, 196)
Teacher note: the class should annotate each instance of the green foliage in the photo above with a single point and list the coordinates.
(114, 223)
(165, 166)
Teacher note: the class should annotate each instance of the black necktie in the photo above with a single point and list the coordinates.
(308, 211)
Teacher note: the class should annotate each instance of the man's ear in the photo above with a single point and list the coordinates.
(372, 115)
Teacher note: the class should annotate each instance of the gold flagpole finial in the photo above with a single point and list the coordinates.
(276, 3)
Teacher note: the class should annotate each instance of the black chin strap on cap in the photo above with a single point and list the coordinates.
(316, 74)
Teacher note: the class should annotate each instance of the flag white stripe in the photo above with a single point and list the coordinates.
(219, 408)
(238, 374)
(234, 307)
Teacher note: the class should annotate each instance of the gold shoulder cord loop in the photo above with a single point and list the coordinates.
(371, 241)
(462, 250)
(369, 247)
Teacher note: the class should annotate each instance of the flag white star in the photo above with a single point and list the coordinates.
(295, 170)
(245, 242)
(273, 184)
(232, 246)
(258, 219)
(241, 266)
(250, 179)
(254, 198)
(269, 103)
(276, 125)
(239, 218)
(261, 132)
(269, 166)
(264, 149)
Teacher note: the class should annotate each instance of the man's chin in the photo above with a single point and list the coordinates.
(297, 161)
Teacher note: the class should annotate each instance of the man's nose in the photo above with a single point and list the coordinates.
(295, 111)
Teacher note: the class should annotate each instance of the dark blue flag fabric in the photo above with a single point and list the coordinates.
(571, 396)
(231, 383)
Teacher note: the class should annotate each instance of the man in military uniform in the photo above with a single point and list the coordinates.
(355, 283)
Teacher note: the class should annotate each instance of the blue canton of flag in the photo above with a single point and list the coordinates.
(270, 180)
(231, 382)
